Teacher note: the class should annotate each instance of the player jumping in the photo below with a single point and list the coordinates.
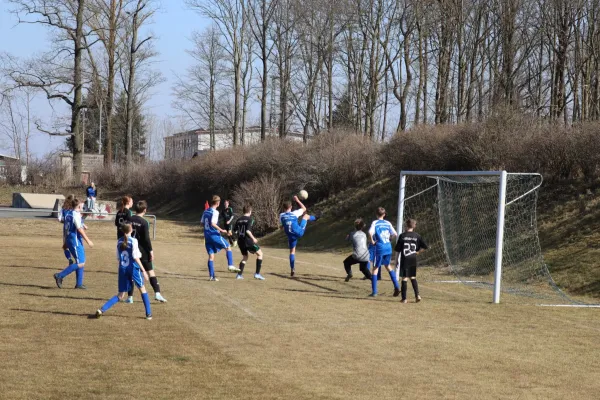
(130, 270)
(381, 233)
(74, 232)
(213, 240)
(294, 229)
(247, 242)
(409, 245)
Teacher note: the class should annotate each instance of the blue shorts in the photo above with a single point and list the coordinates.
(77, 252)
(128, 274)
(216, 244)
(383, 260)
(372, 253)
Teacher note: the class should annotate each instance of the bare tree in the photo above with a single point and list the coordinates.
(106, 19)
(140, 14)
(260, 13)
(230, 17)
(58, 73)
(197, 93)
(15, 123)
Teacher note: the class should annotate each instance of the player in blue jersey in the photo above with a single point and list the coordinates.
(130, 270)
(294, 229)
(66, 208)
(381, 233)
(74, 233)
(213, 240)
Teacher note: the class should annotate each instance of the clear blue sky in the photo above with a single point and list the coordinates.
(173, 26)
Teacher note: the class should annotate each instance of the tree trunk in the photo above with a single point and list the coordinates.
(77, 94)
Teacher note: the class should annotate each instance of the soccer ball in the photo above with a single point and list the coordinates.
(303, 195)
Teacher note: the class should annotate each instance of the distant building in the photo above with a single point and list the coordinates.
(186, 145)
(10, 165)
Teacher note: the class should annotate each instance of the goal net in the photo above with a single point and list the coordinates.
(479, 226)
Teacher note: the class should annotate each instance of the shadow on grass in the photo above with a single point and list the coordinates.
(58, 269)
(304, 281)
(26, 285)
(61, 297)
(70, 314)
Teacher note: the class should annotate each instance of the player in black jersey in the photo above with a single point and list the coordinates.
(228, 219)
(123, 214)
(247, 242)
(409, 245)
(141, 232)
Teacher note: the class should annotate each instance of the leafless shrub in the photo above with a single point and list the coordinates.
(264, 194)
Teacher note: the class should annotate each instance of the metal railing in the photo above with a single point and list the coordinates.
(52, 214)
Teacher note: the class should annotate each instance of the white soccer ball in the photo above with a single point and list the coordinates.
(303, 195)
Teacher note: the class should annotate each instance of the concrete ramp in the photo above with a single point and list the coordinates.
(36, 200)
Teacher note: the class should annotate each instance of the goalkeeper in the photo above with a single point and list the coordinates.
(409, 245)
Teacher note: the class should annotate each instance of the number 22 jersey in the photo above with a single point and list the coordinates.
(409, 243)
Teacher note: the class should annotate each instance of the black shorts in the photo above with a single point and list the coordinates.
(245, 248)
(228, 227)
(408, 272)
(148, 265)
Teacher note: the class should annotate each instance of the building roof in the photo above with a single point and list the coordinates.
(4, 156)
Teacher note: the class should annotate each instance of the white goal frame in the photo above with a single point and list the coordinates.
(502, 179)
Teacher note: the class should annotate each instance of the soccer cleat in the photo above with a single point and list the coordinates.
(58, 280)
(348, 277)
(129, 300)
(239, 276)
(403, 301)
(213, 279)
(98, 313)
(396, 292)
(82, 287)
(259, 277)
(158, 297)
(373, 295)
(233, 268)
(148, 316)
(364, 278)
(418, 299)
(293, 272)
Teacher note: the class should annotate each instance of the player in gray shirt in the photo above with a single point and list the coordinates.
(360, 251)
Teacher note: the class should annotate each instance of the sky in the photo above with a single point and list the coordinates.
(172, 26)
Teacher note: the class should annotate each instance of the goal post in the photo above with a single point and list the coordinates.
(468, 209)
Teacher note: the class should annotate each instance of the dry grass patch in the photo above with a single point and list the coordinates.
(314, 337)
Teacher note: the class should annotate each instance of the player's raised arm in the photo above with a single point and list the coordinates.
(297, 200)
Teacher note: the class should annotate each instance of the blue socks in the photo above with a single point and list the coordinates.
(146, 300)
(79, 273)
(292, 261)
(374, 283)
(113, 300)
(394, 279)
(67, 271)
(229, 257)
(211, 268)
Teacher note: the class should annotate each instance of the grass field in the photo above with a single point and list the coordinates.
(313, 337)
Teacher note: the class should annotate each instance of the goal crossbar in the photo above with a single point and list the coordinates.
(501, 212)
